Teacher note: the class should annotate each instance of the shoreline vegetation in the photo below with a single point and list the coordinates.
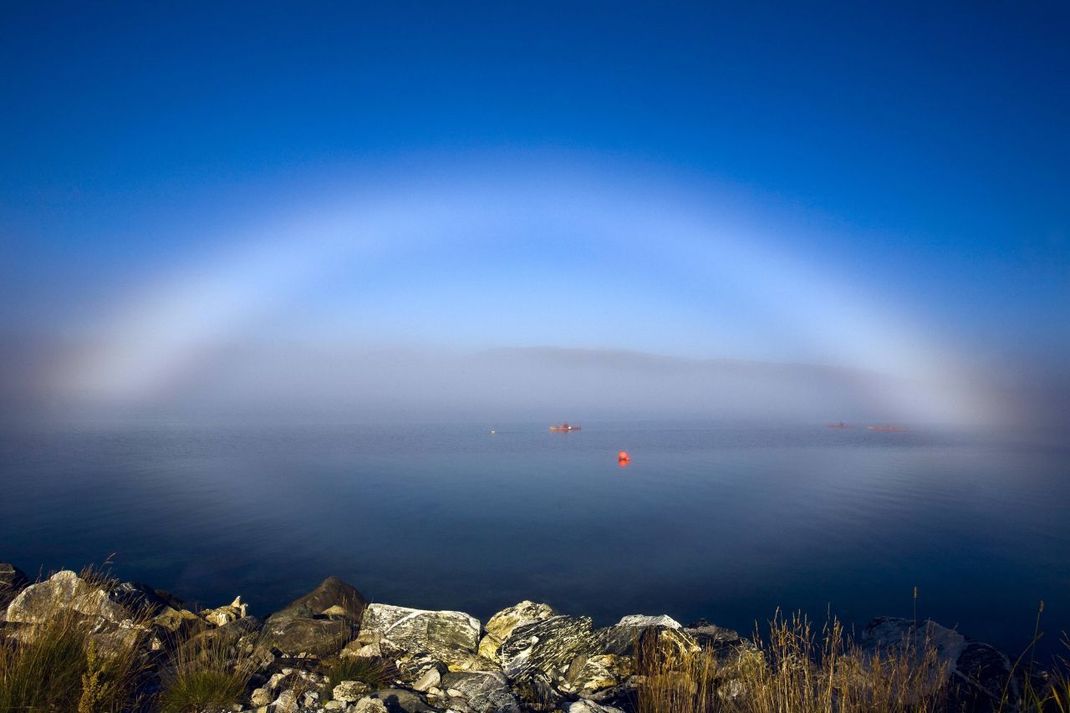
(89, 643)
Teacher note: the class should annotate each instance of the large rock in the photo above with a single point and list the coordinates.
(977, 673)
(502, 624)
(537, 657)
(319, 623)
(448, 636)
(478, 692)
(115, 615)
(331, 598)
(301, 635)
(12, 581)
(65, 590)
(642, 636)
(642, 621)
(588, 675)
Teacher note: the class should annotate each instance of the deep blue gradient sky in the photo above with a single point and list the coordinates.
(921, 149)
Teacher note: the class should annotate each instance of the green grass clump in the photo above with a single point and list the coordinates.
(201, 676)
(45, 672)
(57, 666)
(376, 673)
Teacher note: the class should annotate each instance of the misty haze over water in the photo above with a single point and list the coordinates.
(720, 520)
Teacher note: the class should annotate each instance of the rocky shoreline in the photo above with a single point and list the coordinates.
(527, 657)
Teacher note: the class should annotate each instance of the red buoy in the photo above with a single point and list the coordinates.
(623, 458)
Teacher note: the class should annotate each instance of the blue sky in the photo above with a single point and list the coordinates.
(918, 151)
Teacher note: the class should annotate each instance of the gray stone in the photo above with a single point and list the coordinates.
(370, 705)
(260, 697)
(483, 692)
(317, 637)
(349, 691)
(286, 703)
(398, 700)
(411, 668)
(429, 679)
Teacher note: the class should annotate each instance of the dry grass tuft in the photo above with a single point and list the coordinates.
(796, 671)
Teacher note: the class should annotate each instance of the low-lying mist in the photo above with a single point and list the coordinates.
(302, 382)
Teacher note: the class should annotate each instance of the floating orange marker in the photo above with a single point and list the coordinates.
(623, 459)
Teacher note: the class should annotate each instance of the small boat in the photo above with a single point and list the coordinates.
(838, 424)
(564, 428)
(887, 428)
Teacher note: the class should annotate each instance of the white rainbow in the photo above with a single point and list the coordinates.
(173, 324)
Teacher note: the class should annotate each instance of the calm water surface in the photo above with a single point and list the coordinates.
(722, 522)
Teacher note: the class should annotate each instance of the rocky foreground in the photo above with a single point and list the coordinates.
(528, 657)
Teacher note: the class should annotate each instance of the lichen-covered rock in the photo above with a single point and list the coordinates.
(502, 624)
(332, 598)
(411, 669)
(12, 581)
(537, 656)
(40, 602)
(589, 675)
(448, 636)
(548, 645)
(479, 692)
